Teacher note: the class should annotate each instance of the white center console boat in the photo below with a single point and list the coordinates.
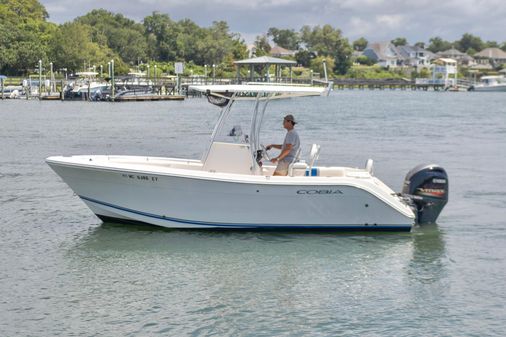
(232, 185)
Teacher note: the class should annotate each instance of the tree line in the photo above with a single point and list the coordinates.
(468, 43)
(26, 36)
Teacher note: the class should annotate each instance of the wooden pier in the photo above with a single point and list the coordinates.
(140, 98)
(384, 84)
(170, 90)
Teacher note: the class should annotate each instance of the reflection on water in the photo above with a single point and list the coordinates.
(429, 254)
(64, 274)
(202, 275)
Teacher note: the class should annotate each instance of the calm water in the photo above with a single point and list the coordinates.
(63, 272)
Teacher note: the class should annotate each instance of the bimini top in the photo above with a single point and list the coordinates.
(257, 88)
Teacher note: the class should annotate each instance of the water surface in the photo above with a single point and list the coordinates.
(63, 272)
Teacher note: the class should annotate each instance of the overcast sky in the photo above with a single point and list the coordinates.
(376, 20)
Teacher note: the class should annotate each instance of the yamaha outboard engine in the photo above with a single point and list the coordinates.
(427, 188)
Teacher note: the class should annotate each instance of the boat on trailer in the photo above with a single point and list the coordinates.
(233, 186)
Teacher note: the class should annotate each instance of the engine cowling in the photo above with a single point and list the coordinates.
(427, 188)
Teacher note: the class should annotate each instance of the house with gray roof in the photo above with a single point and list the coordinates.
(460, 57)
(386, 54)
(493, 56)
(415, 56)
(383, 53)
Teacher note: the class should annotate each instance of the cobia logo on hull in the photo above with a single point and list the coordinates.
(314, 192)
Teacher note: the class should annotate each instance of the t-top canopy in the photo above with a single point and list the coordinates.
(266, 60)
(274, 89)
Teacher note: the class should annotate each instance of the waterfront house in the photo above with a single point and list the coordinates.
(385, 54)
(460, 57)
(415, 56)
(493, 56)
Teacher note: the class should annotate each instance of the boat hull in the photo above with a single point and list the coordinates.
(178, 200)
(492, 88)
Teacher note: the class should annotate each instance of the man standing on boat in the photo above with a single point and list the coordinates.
(289, 148)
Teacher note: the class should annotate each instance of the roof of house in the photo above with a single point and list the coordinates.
(482, 67)
(384, 50)
(277, 50)
(454, 53)
(491, 53)
(405, 51)
(265, 60)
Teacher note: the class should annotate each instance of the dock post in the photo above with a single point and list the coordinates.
(52, 84)
(40, 79)
(112, 80)
(148, 75)
(154, 77)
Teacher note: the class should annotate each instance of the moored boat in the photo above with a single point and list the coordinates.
(490, 83)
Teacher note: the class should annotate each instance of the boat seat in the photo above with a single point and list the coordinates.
(293, 165)
(314, 153)
(369, 166)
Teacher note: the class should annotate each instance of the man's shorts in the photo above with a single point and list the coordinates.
(282, 168)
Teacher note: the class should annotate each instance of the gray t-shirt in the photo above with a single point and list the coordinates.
(292, 137)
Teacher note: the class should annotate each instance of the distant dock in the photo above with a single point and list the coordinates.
(385, 84)
(140, 98)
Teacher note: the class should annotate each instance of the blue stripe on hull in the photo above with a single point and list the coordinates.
(245, 225)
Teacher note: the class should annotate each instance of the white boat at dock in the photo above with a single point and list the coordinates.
(232, 186)
(85, 86)
(490, 83)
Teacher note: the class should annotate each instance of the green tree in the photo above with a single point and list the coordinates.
(286, 38)
(437, 44)
(184, 40)
(364, 60)
(262, 45)
(72, 47)
(491, 44)
(124, 36)
(24, 35)
(316, 64)
(400, 41)
(159, 30)
(23, 10)
(469, 41)
(221, 45)
(360, 44)
(304, 57)
(328, 41)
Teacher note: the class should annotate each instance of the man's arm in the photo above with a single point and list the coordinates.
(275, 146)
(283, 153)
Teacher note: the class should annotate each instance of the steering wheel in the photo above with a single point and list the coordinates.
(265, 155)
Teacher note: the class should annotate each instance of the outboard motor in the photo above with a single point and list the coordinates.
(427, 188)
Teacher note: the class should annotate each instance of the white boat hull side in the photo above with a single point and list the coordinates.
(177, 201)
(492, 88)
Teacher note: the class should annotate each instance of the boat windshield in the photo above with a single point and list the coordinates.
(236, 128)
